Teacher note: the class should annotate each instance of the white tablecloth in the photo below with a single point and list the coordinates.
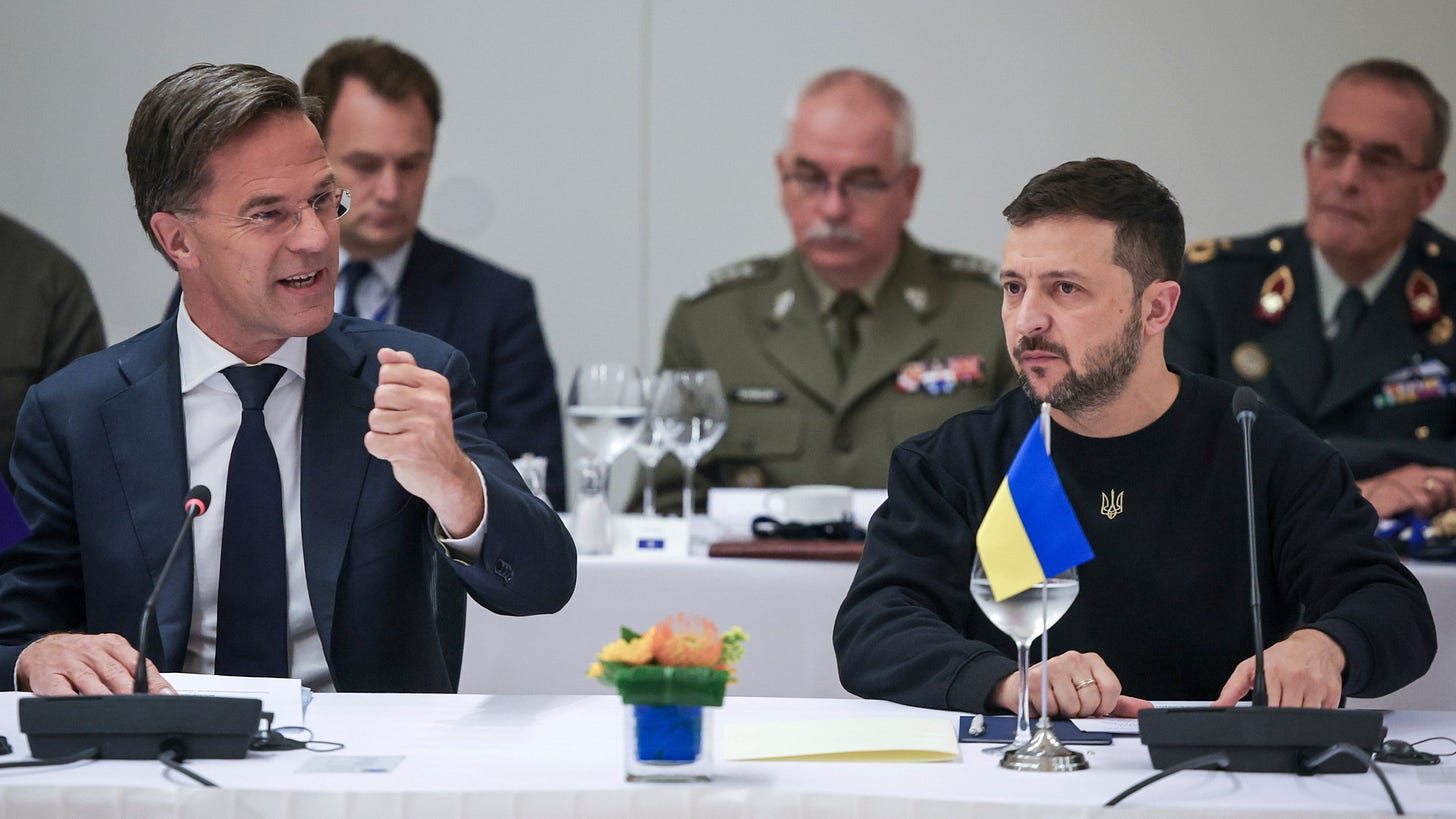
(787, 607)
(478, 756)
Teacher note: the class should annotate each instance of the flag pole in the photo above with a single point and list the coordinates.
(1046, 437)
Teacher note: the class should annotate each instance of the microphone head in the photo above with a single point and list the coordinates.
(1245, 400)
(199, 498)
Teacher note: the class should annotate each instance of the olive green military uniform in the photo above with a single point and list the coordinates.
(930, 347)
(1250, 314)
(48, 318)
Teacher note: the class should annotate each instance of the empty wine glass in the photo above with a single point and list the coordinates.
(605, 411)
(1020, 618)
(692, 414)
(649, 447)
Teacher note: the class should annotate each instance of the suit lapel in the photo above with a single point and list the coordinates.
(336, 404)
(426, 303)
(793, 340)
(1298, 365)
(144, 428)
(893, 333)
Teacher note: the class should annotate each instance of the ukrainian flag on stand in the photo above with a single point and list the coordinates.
(1030, 532)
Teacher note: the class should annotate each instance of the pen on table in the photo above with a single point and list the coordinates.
(978, 725)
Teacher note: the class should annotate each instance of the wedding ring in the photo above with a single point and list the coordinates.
(1431, 484)
(1081, 684)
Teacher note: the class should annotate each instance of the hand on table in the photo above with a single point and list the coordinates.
(60, 664)
(1079, 685)
(1425, 490)
(1303, 670)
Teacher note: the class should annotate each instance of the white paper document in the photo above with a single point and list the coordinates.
(893, 739)
(283, 697)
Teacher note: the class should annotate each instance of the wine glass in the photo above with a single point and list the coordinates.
(1020, 618)
(649, 447)
(605, 411)
(692, 414)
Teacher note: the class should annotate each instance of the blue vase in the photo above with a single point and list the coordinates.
(668, 743)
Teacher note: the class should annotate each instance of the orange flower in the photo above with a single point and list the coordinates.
(686, 640)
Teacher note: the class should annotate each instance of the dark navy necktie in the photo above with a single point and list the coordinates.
(252, 587)
(1348, 313)
(353, 273)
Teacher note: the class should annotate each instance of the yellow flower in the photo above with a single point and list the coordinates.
(635, 652)
(595, 671)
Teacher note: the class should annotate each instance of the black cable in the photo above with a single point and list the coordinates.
(169, 758)
(1218, 760)
(79, 756)
(1434, 739)
(1361, 755)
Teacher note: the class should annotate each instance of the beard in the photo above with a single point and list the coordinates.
(1106, 373)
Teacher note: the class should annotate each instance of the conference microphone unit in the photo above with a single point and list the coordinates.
(141, 725)
(1259, 738)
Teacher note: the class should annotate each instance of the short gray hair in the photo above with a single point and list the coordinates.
(1404, 75)
(187, 117)
(892, 97)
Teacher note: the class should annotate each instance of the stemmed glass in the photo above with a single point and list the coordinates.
(1020, 618)
(692, 415)
(605, 410)
(649, 447)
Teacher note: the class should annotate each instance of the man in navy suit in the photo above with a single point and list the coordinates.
(382, 459)
(381, 113)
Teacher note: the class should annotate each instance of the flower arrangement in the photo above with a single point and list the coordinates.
(682, 660)
(666, 676)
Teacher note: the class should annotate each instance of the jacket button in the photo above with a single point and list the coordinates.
(843, 442)
(1422, 433)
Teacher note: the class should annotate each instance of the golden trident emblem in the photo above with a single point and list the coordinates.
(1112, 504)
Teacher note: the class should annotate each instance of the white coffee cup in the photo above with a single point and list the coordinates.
(811, 503)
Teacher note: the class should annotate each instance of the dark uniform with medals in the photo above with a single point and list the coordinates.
(1250, 314)
(930, 346)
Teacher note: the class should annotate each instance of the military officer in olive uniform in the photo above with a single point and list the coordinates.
(859, 337)
(1346, 321)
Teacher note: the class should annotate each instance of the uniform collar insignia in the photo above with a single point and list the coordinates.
(1423, 297)
(1275, 295)
(917, 298)
(783, 303)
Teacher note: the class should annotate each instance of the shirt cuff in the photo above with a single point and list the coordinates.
(466, 549)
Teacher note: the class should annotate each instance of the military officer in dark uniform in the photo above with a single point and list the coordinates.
(859, 337)
(1346, 321)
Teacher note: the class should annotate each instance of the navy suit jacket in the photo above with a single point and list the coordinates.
(490, 315)
(101, 468)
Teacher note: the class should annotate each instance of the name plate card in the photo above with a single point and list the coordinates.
(649, 536)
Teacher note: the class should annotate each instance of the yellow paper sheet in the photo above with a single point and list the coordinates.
(900, 739)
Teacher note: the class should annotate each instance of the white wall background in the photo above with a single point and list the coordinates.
(618, 150)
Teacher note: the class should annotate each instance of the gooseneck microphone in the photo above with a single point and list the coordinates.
(1260, 738)
(195, 507)
(1246, 406)
(140, 725)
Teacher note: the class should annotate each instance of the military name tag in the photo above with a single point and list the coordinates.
(758, 395)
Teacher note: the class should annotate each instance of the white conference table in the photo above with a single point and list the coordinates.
(788, 609)
(550, 756)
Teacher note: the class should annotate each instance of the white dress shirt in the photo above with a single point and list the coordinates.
(1332, 287)
(377, 294)
(212, 415)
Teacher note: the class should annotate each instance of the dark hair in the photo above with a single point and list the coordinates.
(1404, 74)
(392, 73)
(188, 116)
(1149, 239)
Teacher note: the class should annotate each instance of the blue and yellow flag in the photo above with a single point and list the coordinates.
(1030, 532)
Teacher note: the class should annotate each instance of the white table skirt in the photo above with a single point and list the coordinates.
(562, 756)
(788, 608)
